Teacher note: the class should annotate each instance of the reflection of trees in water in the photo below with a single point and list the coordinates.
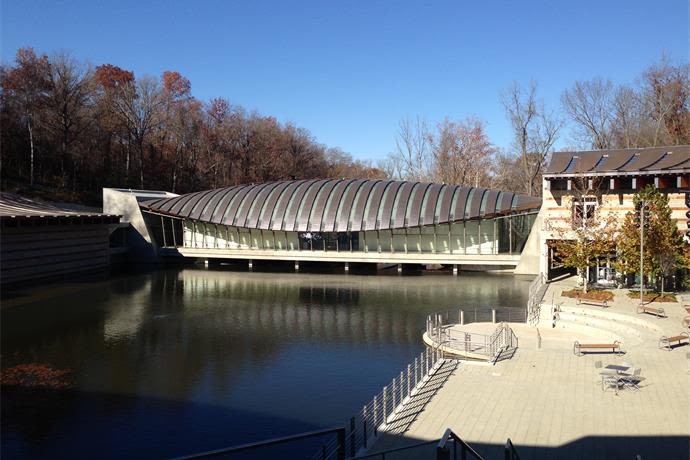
(165, 332)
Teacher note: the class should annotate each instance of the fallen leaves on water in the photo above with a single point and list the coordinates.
(36, 376)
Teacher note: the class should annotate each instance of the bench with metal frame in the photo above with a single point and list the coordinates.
(658, 312)
(665, 342)
(578, 347)
(596, 303)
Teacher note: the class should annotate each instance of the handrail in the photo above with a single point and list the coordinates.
(383, 453)
(510, 452)
(443, 449)
(363, 428)
(479, 315)
(534, 299)
(443, 453)
(491, 345)
(269, 442)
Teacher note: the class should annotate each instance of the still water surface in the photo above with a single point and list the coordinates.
(183, 360)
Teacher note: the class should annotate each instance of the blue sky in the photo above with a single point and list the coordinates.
(349, 71)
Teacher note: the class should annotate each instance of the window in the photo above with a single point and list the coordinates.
(583, 210)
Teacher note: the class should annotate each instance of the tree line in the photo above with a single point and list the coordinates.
(72, 127)
(76, 128)
(597, 113)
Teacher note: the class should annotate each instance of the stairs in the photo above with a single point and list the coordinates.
(617, 326)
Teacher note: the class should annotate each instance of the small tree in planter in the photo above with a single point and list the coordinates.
(664, 248)
(588, 233)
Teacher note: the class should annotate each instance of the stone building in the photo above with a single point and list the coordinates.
(576, 184)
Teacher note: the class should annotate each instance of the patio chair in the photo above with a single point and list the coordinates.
(633, 381)
(609, 381)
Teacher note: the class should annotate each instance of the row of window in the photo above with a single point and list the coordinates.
(493, 236)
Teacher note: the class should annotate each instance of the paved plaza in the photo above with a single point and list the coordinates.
(550, 402)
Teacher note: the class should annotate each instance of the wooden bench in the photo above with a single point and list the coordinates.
(578, 347)
(658, 312)
(598, 303)
(665, 342)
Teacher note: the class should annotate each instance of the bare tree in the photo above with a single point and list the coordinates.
(462, 153)
(630, 125)
(535, 131)
(508, 173)
(391, 166)
(27, 85)
(68, 107)
(413, 149)
(667, 90)
(590, 105)
(138, 105)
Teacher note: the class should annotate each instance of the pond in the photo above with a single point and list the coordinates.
(174, 361)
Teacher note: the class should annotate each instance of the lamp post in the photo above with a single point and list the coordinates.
(642, 206)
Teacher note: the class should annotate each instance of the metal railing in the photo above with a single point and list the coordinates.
(391, 453)
(447, 447)
(375, 416)
(443, 449)
(510, 452)
(339, 440)
(481, 315)
(536, 293)
(489, 345)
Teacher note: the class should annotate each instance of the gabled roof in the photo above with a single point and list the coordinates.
(340, 205)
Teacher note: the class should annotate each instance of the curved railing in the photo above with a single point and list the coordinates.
(480, 315)
(469, 344)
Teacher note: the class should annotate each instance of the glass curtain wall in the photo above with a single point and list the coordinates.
(501, 235)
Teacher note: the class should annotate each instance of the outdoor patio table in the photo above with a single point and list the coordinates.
(618, 368)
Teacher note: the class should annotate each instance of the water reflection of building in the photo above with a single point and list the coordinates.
(374, 221)
(335, 308)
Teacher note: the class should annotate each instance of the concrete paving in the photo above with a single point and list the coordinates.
(550, 402)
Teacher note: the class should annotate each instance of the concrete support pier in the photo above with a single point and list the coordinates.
(347, 267)
(455, 270)
(250, 264)
(399, 268)
(297, 265)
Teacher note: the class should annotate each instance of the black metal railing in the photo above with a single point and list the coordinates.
(339, 452)
(449, 445)
(510, 452)
(390, 454)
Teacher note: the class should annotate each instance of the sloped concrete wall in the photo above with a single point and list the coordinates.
(125, 203)
(534, 251)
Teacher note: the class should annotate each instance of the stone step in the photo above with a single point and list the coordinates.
(622, 331)
(640, 323)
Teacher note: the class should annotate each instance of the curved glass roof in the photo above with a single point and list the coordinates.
(340, 205)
